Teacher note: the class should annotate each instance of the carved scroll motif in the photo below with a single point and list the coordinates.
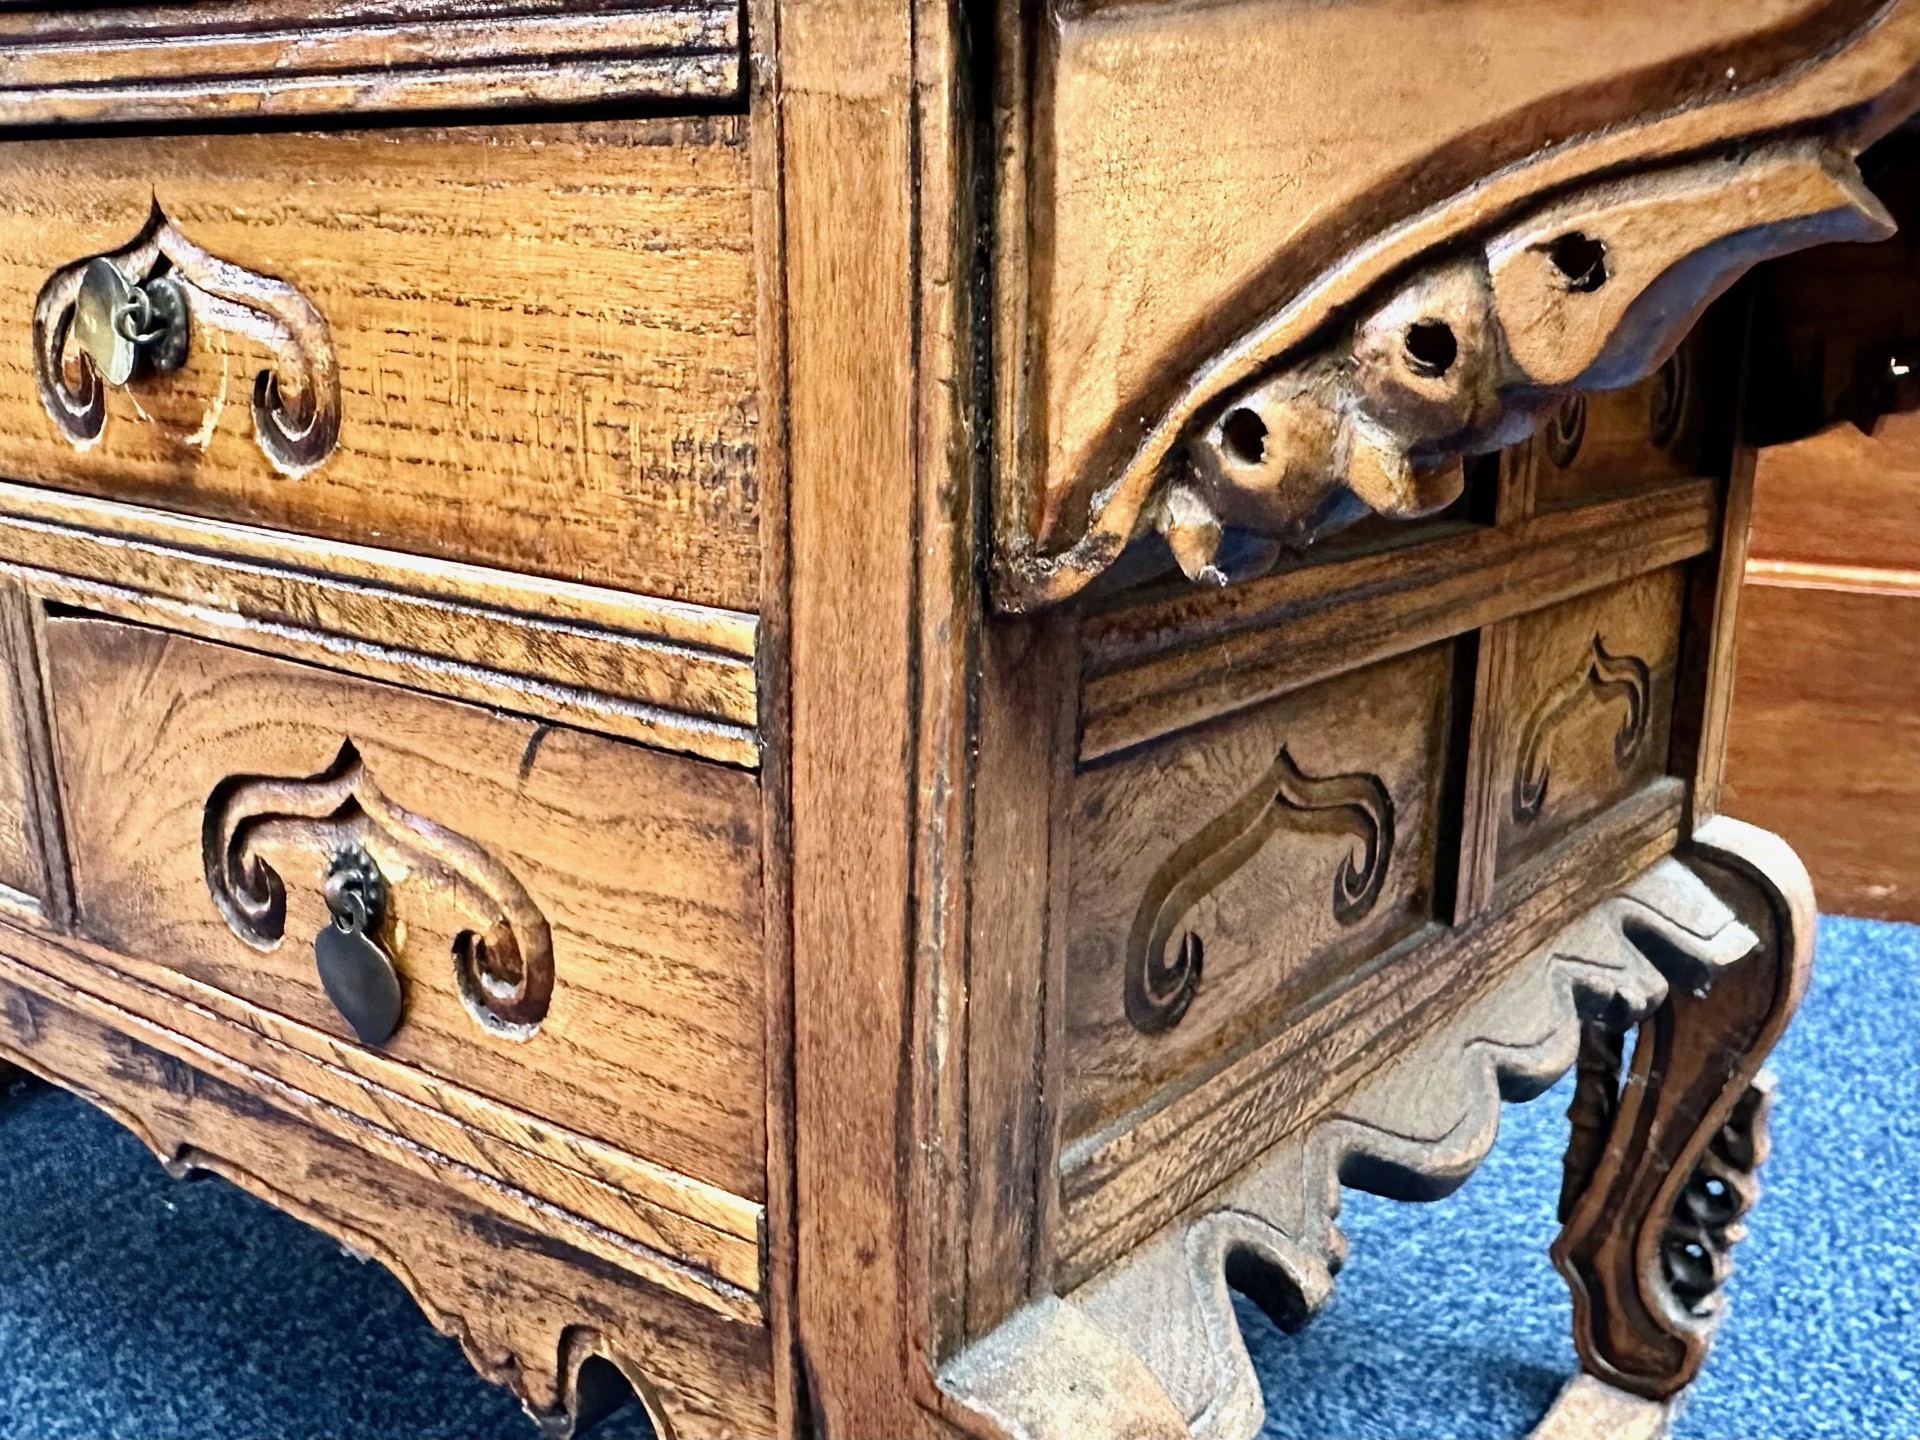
(1153, 1339)
(1160, 986)
(1607, 677)
(502, 956)
(296, 402)
(1307, 424)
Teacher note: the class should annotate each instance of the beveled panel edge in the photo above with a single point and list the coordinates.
(623, 1209)
(1152, 670)
(1119, 1185)
(667, 673)
(153, 65)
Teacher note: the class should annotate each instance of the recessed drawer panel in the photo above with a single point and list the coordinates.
(527, 347)
(572, 925)
(1590, 714)
(1223, 877)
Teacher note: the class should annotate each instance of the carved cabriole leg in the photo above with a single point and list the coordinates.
(1646, 1237)
(1151, 1345)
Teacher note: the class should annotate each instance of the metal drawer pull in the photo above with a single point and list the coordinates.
(104, 320)
(356, 970)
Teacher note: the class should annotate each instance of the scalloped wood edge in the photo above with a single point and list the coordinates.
(1151, 1346)
(1848, 96)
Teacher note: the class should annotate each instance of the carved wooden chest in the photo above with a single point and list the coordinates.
(824, 708)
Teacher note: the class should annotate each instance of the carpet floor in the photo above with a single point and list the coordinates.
(132, 1305)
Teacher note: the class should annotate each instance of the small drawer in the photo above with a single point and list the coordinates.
(1590, 712)
(573, 923)
(1225, 877)
(525, 347)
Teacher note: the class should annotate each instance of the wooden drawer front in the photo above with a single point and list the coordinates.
(1283, 847)
(298, 57)
(630, 876)
(1590, 709)
(536, 345)
(1612, 442)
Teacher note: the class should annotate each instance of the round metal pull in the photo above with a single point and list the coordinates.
(121, 326)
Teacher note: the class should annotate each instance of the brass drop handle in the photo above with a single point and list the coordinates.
(356, 970)
(123, 326)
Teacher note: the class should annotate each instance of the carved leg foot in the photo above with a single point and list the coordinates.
(1660, 1168)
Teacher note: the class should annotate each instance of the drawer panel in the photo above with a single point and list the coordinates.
(1590, 711)
(1224, 877)
(298, 57)
(575, 923)
(470, 350)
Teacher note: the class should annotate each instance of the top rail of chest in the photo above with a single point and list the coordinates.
(301, 58)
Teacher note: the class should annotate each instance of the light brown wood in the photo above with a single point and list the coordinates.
(1590, 1409)
(541, 711)
(604, 435)
(302, 57)
(676, 676)
(644, 866)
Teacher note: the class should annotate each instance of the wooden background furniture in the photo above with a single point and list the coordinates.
(823, 709)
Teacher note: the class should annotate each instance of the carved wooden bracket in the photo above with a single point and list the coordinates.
(296, 402)
(1314, 419)
(1159, 988)
(502, 955)
(1607, 678)
(1150, 1346)
(1661, 1166)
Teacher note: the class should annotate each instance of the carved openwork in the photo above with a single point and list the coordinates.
(296, 401)
(1164, 960)
(1321, 414)
(1157, 1326)
(1606, 679)
(1661, 1166)
(457, 894)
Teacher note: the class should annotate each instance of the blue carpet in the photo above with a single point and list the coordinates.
(134, 1305)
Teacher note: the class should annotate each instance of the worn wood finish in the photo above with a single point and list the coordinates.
(1216, 887)
(603, 435)
(842, 1071)
(1122, 343)
(1587, 711)
(169, 62)
(675, 676)
(654, 1038)
(528, 1306)
(1157, 667)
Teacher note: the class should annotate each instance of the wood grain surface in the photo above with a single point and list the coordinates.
(1824, 742)
(157, 62)
(1573, 666)
(545, 340)
(1270, 932)
(24, 881)
(645, 867)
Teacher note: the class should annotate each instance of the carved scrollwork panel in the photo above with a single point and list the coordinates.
(1606, 679)
(1159, 987)
(496, 938)
(1357, 318)
(295, 401)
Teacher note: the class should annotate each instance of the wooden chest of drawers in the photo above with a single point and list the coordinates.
(823, 709)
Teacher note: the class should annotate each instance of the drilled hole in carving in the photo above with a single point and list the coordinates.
(1431, 348)
(1581, 261)
(1244, 436)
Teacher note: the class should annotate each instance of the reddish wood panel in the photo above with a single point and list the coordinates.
(1824, 745)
